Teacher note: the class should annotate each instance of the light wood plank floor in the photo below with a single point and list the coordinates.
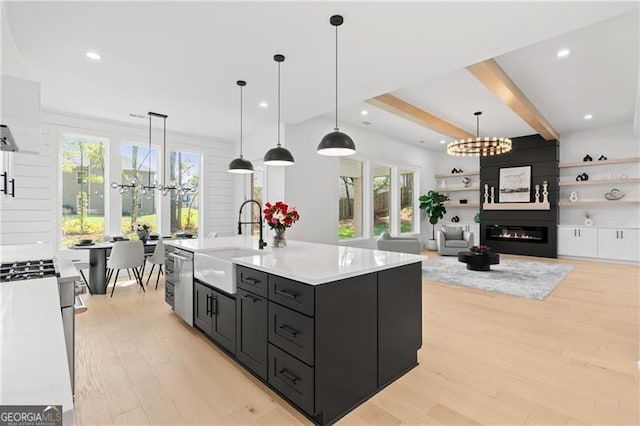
(486, 359)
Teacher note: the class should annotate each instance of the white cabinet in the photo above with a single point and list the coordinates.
(619, 244)
(578, 241)
(22, 112)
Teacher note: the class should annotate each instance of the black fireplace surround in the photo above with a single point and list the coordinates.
(528, 232)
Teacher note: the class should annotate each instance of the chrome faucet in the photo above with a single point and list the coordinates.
(261, 243)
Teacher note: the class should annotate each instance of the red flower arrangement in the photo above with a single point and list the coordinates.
(480, 249)
(280, 215)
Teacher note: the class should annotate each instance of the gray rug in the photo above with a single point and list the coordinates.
(533, 280)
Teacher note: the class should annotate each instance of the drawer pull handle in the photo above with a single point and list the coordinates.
(208, 296)
(253, 281)
(288, 330)
(287, 293)
(287, 375)
(251, 298)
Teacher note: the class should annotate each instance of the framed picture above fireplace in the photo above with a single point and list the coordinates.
(515, 184)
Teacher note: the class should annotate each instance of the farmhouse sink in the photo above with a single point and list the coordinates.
(215, 267)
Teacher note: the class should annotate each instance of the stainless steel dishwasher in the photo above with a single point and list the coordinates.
(182, 278)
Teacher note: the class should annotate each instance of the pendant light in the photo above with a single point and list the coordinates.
(278, 156)
(240, 165)
(173, 186)
(479, 146)
(336, 143)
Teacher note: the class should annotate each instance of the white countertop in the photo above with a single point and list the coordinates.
(310, 263)
(33, 357)
(21, 252)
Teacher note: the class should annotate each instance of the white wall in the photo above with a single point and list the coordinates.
(311, 184)
(34, 215)
(613, 142)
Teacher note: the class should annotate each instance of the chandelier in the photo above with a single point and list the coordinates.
(479, 146)
(134, 184)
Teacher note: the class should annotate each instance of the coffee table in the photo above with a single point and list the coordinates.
(478, 262)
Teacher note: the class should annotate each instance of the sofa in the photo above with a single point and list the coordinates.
(399, 244)
(453, 239)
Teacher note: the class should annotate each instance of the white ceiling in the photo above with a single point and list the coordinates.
(183, 59)
(599, 77)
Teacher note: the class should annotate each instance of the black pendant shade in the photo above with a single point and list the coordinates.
(278, 156)
(336, 143)
(240, 165)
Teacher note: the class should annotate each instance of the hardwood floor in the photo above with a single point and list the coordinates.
(486, 358)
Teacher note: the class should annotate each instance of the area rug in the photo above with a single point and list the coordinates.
(533, 280)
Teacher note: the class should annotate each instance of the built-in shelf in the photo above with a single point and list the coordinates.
(446, 175)
(600, 182)
(462, 206)
(516, 206)
(468, 188)
(598, 203)
(600, 163)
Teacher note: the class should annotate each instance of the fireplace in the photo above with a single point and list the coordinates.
(522, 234)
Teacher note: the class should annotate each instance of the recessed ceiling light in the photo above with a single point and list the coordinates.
(588, 117)
(367, 123)
(420, 141)
(93, 56)
(562, 53)
(364, 112)
(442, 142)
(263, 104)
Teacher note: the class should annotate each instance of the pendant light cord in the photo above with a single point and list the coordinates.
(278, 103)
(477, 126)
(149, 153)
(336, 78)
(240, 121)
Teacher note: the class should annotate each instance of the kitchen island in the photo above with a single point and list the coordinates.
(325, 326)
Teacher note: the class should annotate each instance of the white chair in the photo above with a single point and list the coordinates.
(126, 255)
(157, 258)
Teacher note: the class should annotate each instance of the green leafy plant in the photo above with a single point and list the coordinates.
(433, 205)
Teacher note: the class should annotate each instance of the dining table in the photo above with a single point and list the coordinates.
(98, 253)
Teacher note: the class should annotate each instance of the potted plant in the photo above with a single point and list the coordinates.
(433, 205)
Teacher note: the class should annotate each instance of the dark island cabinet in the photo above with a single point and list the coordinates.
(251, 317)
(215, 314)
(327, 348)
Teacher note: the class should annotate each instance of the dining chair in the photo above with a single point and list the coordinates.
(157, 258)
(126, 255)
(81, 266)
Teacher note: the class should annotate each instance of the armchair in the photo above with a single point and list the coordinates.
(452, 240)
(399, 244)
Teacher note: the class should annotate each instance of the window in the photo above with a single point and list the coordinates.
(381, 198)
(350, 199)
(184, 169)
(406, 200)
(83, 165)
(257, 193)
(142, 164)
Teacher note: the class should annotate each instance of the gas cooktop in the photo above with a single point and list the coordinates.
(27, 270)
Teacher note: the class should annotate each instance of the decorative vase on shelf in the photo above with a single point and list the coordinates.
(279, 240)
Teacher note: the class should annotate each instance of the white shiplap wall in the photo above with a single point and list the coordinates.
(34, 215)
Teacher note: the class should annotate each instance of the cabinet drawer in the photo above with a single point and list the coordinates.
(292, 378)
(291, 331)
(252, 280)
(168, 293)
(293, 294)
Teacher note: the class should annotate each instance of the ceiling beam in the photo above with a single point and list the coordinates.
(403, 109)
(497, 81)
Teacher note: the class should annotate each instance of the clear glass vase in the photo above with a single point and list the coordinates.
(279, 239)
